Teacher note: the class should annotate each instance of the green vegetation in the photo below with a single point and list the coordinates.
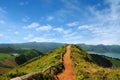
(6, 56)
(10, 54)
(10, 60)
(101, 48)
(6, 62)
(105, 61)
(101, 60)
(26, 54)
(53, 58)
(115, 62)
(86, 69)
(6, 50)
(41, 46)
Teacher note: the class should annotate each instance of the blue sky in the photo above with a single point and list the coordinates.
(66, 21)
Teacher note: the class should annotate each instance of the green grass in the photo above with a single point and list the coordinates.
(5, 55)
(7, 62)
(115, 62)
(86, 69)
(53, 58)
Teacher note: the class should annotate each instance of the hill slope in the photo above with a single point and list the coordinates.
(9, 60)
(84, 64)
(86, 69)
(53, 58)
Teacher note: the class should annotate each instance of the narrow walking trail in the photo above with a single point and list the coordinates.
(68, 72)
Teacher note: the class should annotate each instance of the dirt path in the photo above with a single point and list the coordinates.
(68, 73)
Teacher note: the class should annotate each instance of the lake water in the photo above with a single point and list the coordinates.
(113, 55)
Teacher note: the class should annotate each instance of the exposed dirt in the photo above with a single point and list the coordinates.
(17, 78)
(9, 62)
(68, 72)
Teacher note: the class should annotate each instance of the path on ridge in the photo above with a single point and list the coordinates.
(68, 72)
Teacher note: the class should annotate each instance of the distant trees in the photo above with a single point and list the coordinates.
(20, 59)
(7, 50)
(26, 54)
(101, 48)
(101, 61)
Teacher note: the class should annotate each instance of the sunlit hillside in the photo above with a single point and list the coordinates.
(52, 63)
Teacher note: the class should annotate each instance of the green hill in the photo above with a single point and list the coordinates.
(87, 69)
(53, 58)
(7, 62)
(15, 54)
(86, 66)
(20, 56)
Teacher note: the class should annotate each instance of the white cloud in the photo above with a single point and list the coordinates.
(41, 39)
(23, 3)
(84, 27)
(3, 13)
(2, 10)
(44, 28)
(97, 30)
(69, 31)
(72, 34)
(32, 38)
(59, 29)
(49, 18)
(38, 27)
(72, 38)
(109, 15)
(2, 22)
(72, 24)
(1, 35)
(32, 25)
(26, 19)
(16, 32)
(106, 26)
(28, 37)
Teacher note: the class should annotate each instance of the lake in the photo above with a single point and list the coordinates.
(113, 55)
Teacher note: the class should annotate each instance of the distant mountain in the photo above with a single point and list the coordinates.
(101, 48)
(41, 46)
(48, 46)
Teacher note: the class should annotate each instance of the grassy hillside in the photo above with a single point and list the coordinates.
(53, 58)
(7, 62)
(115, 62)
(86, 69)
(25, 55)
(101, 60)
(85, 65)
(106, 61)
(19, 53)
(20, 56)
